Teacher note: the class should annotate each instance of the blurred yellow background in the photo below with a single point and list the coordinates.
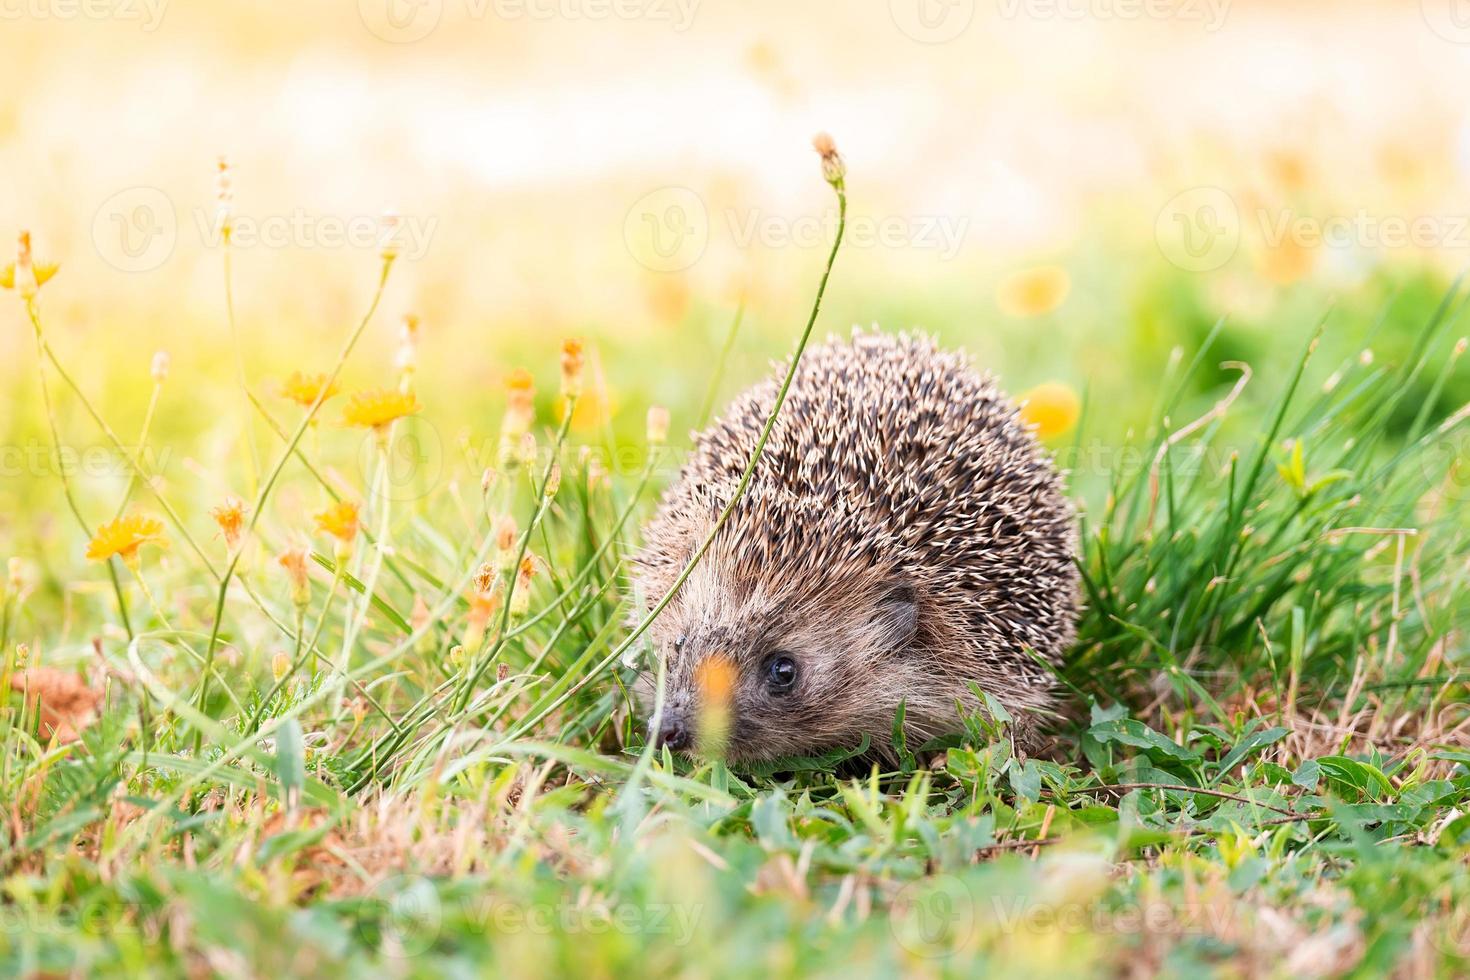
(1069, 188)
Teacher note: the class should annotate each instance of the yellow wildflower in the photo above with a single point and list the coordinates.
(25, 275)
(1052, 407)
(304, 389)
(377, 410)
(1032, 292)
(123, 537)
(340, 521)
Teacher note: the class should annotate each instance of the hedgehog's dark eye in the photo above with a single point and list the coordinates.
(679, 642)
(780, 673)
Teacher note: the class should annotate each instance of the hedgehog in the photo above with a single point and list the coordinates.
(904, 540)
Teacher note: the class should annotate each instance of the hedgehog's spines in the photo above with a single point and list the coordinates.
(890, 457)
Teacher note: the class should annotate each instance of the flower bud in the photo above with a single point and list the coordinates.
(520, 599)
(833, 168)
(224, 198)
(293, 560)
(159, 368)
(571, 367)
(520, 404)
(280, 665)
(388, 238)
(505, 540)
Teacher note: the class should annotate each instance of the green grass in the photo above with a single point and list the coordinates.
(1264, 771)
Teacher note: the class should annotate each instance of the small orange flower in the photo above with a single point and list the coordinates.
(340, 521)
(484, 603)
(571, 367)
(123, 537)
(230, 516)
(304, 389)
(1032, 292)
(377, 410)
(1052, 407)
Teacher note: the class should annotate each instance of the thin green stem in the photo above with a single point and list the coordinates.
(543, 504)
(617, 652)
(275, 472)
(127, 493)
(35, 317)
(240, 365)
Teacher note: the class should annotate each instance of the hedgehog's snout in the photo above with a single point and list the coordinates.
(676, 731)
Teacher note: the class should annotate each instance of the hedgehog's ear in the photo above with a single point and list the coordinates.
(897, 616)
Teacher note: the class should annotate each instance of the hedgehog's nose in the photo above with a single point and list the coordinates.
(674, 733)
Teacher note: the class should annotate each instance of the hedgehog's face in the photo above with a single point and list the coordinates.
(757, 678)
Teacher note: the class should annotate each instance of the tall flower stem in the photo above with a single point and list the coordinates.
(71, 501)
(274, 474)
(535, 717)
